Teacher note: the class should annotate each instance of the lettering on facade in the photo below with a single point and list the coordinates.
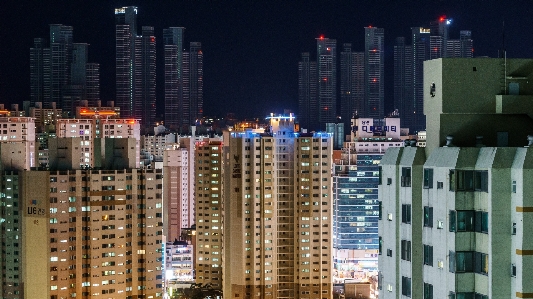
(34, 210)
(236, 168)
(369, 129)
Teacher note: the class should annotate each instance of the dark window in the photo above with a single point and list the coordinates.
(406, 213)
(406, 286)
(406, 250)
(464, 295)
(513, 270)
(451, 261)
(464, 261)
(380, 175)
(452, 220)
(428, 216)
(380, 207)
(389, 252)
(481, 180)
(461, 180)
(482, 222)
(428, 255)
(380, 245)
(465, 221)
(481, 296)
(428, 178)
(428, 291)
(481, 262)
(406, 176)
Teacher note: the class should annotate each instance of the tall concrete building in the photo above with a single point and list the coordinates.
(374, 73)
(454, 216)
(274, 205)
(135, 67)
(210, 211)
(81, 233)
(183, 81)
(408, 75)
(352, 88)
(307, 93)
(173, 42)
(326, 62)
(60, 71)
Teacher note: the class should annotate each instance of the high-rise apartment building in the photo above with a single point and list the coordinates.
(210, 211)
(307, 93)
(60, 72)
(93, 133)
(326, 62)
(454, 217)
(183, 81)
(81, 233)
(135, 67)
(374, 72)
(352, 88)
(276, 212)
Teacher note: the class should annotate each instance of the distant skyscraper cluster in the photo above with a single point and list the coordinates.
(61, 76)
(60, 72)
(426, 43)
(136, 79)
(362, 76)
(361, 82)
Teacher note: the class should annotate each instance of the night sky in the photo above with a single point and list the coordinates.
(251, 48)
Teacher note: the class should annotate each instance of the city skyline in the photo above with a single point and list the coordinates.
(245, 70)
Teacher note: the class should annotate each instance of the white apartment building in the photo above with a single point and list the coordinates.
(455, 215)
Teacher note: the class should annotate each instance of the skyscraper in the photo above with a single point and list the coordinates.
(426, 44)
(38, 53)
(327, 80)
(183, 81)
(352, 88)
(439, 37)
(145, 77)
(135, 67)
(193, 71)
(173, 41)
(307, 93)
(374, 72)
(60, 72)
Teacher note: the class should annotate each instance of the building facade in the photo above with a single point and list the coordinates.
(355, 193)
(135, 67)
(374, 73)
(183, 81)
(277, 220)
(453, 215)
